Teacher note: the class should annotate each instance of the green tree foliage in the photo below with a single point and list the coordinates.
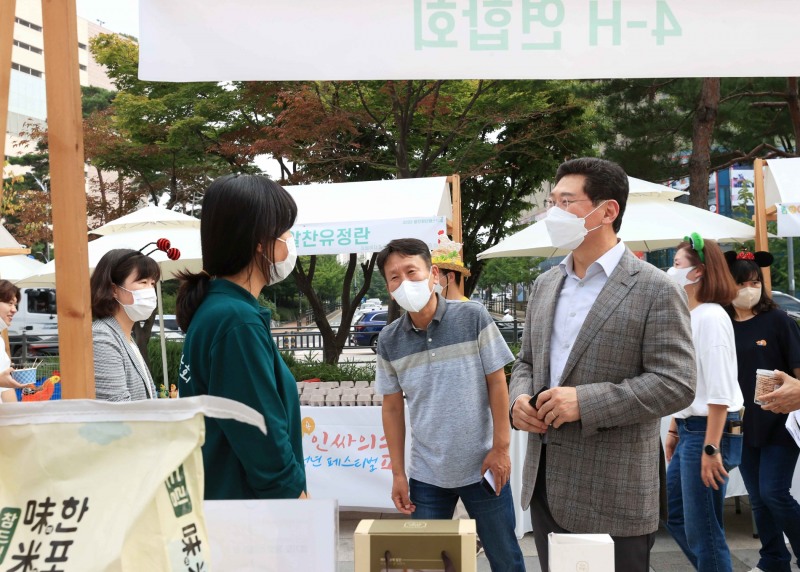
(503, 138)
(160, 136)
(500, 273)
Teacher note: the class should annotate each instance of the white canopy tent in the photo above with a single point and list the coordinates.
(341, 218)
(187, 240)
(782, 181)
(18, 266)
(777, 181)
(148, 217)
(383, 210)
(652, 220)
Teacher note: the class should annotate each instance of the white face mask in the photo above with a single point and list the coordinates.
(567, 230)
(437, 288)
(747, 297)
(411, 295)
(681, 276)
(144, 302)
(280, 270)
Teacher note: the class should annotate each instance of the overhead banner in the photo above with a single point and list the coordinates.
(365, 236)
(208, 40)
(788, 219)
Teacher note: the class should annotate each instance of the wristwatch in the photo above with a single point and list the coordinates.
(711, 449)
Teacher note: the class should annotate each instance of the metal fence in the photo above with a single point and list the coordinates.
(289, 337)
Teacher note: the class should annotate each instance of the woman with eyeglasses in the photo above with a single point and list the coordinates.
(704, 441)
(229, 351)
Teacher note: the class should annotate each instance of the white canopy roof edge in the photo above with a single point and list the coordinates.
(145, 218)
(648, 224)
(322, 203)
(782, 181)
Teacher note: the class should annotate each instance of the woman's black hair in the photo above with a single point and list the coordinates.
(240, 212)
(113, 269)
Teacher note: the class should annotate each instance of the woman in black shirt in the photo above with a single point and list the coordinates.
(766, 338)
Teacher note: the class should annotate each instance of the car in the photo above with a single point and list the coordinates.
(366, 330)
(371, 304)
(33, 345)
(171, 329)
(787, 303)
(510, 333)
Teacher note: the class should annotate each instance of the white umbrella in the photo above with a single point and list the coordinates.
(18, 266)
(187, 240)
(648, 224)
(148, 218)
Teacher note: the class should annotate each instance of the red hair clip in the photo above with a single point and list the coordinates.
(164, 245)
(744, 255)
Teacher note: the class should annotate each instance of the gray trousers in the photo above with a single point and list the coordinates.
(631, 553)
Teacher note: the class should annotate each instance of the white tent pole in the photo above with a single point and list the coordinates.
(162, 337)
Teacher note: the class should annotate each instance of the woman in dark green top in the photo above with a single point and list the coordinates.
(229, 351)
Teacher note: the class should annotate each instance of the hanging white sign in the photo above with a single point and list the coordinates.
(788, 219)
(208, 40)
(365, 236)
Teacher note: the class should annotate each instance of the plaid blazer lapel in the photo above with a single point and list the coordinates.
(613, 293)
(547, 301)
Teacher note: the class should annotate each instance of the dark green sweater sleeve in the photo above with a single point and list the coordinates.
(246, 367)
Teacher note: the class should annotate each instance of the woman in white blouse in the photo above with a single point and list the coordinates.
(705, 439)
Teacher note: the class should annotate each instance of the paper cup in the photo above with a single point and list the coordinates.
(25, 376)
(766, 382)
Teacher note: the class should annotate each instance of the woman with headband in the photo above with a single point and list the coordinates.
(766, 338)
(123, 292)
(704, 441)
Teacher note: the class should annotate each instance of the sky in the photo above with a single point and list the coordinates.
(121, 16)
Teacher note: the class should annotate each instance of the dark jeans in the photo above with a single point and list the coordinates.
(767, 474)
(631, 553)
(695, 510)
(494, 518)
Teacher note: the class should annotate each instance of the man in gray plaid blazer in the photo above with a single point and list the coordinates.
(607, 351)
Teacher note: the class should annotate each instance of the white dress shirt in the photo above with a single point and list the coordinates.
(574, 302)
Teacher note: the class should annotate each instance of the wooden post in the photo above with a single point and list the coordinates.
(760, 218)
(68, 197)
(455, 199)
(7, 11)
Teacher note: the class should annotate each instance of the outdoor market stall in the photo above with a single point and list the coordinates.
(191, 40)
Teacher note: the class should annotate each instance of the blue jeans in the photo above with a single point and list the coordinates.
(494, 518)
(767, 473)
(695, 510)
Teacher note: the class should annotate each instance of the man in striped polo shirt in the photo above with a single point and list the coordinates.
(447, 358)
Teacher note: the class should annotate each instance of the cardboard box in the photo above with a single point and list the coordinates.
(414, 545)
(581, 552)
